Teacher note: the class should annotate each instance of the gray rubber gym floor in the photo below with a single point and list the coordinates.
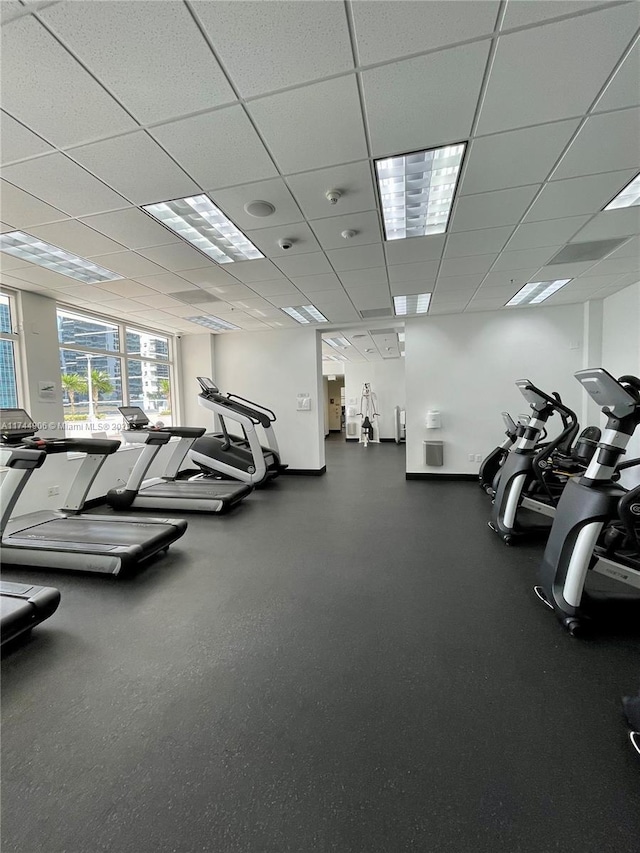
(349, 663)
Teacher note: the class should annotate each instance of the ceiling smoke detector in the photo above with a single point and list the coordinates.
(259, 208)
(349, 234)
(333, 196)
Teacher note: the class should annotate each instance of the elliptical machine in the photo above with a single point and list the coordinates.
(492, 463)
(517, 470)
(590, 505)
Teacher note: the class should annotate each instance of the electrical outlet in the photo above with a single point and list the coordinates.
(52, 491)
(478, 457)
(471, 457)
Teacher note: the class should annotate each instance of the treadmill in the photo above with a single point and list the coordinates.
(23, 606)
(242, 458)
(67, 538)
(167, 492)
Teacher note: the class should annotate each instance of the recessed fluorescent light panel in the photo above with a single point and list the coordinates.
(337, 343)
(417, 190)
(36, 251)
(333, 358)
(536, 292)
(417, 303)
(213, 323)
(305, 314)
(628, 197)
(198, 221)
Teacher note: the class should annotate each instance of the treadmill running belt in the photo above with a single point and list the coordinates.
(198, 490)
(90, 530)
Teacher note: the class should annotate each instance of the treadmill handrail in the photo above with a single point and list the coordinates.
(94, 446)
(256, 405)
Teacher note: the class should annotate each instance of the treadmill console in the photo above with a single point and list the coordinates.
(134, 416)
(508, 422)
(15, 425)
(207, 386)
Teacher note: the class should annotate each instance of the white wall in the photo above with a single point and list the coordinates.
(621, 347)
(41, 360)
(387, 380)
(465, 366)
(197, 358)
(272, 368)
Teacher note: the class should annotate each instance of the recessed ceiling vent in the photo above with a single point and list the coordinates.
(372, 313)
(594, 250)
(194, 297)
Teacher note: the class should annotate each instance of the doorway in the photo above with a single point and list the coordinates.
(334, 406)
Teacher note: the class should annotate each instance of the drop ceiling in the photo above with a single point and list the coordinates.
(111, 106)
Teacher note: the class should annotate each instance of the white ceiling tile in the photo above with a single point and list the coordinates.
(288, 300)
(604, 141)
(388, 30)
(424, 271)
(300, 235)
(85, 293)
(38, 75)
(503, 207)
(76, 237)
(10, 281)
(467, 243)
(458, 286)
(11, 9)
(522, 12)
(136, 167)
(159, 300)
(128, 289)
(314, 283)
(469, 265)
(374, 276)
(365, 298)
(445, 107)
(9, 262)
(231, 293)
(515, 158)
(265, 47)
(6, 227)
(623, 90)
(616, 266)
(18, 142)
(175, 256)
(356, 257)
(180, 310)
(218, 149)
(254, 303)
(58, 181)
(574, 196)
(525, 258)
(154, 59)
(299, 127)
(128, 264)
(415, 249)
(209, 276)
(558, 271)
(24, 210)
(629, 249)
(280, 287)
(275, 191)
(504, 278)
(622, 222)
(131, 227)
(410, 288)
(332, 300)
(329, 230)
(315, 263)
(626, 280)
(548, 64)
(354, 182)
(166, 283)
(258, 270)
(552, 233)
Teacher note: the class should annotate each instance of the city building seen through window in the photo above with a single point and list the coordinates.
(8, 339)
(105, 365)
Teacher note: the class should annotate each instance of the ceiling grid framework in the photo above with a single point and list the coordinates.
(283, 120)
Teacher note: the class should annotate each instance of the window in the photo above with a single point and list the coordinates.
(105, 365)
(8, 338)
